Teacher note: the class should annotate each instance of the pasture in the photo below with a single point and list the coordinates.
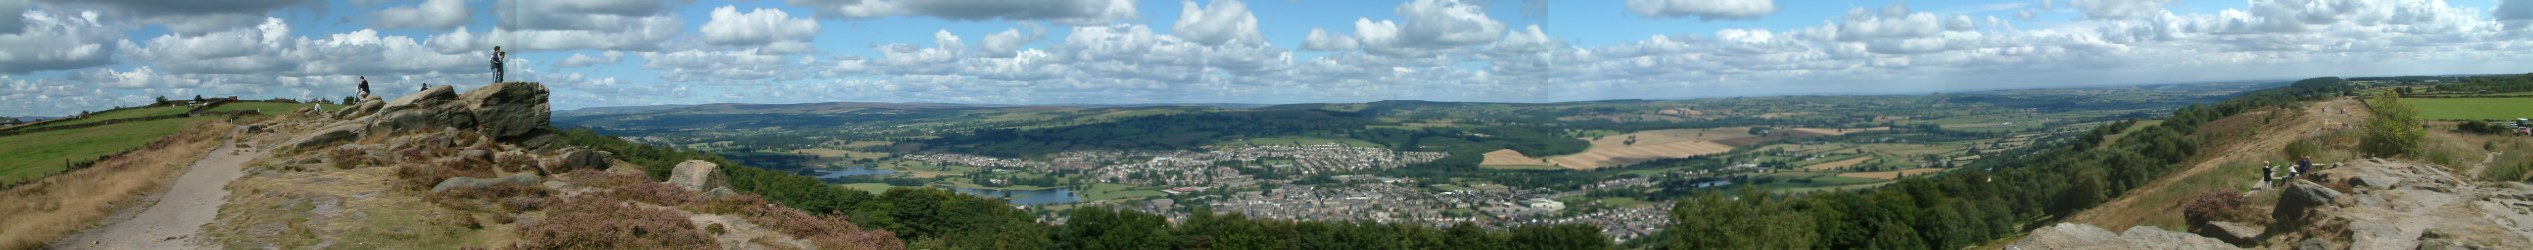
(35, 155)
(2473, 108)
(1894, 174)
(120, 114)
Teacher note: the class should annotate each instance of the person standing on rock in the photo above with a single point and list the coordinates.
(2266, 173)
(497, 58)
(364, 87)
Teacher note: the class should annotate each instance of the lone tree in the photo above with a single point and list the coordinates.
(2394, 130)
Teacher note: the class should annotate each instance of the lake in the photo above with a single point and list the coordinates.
(1028, 197)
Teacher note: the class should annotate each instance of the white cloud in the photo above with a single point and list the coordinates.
(537, 25)
(1322, 40)
(1007, 43)
(757, 27)
(1070, 12)
(1224, 22)
(433, 14)
(1703, 9)
(710, 66)
(584, 60)
(1429, 25)
(56, 41)
(191, 16)
(2119, 9)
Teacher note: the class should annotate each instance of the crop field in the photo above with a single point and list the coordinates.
(1836, 165)
(1894, 174)
(36, 155)
(2472, 108)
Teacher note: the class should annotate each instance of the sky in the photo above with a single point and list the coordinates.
(59, 57)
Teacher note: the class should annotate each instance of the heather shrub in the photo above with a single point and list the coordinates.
(2216, 206)
(602, 179)
(593, 222)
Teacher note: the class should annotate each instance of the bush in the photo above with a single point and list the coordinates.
(2394, 130)
(2216, 206)
(602, 179)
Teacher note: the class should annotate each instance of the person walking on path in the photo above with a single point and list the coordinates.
(497, 58)
(364, 87)
(2266, 173)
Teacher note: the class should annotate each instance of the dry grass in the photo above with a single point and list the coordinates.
(1894, 174)
(1508, 157)
(39, 212)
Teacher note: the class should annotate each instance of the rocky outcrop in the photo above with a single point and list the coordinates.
(330, 134)
(698, 176)
(510, 111)
(514, 112)
(2083, 236)
(2301, 197)
(2404, 205)
(471, 182)
(2230, 232)
(577, 158)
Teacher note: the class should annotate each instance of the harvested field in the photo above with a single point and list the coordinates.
(1835, 165)
(1508, 157)
(1604, 156)
(1894, 174)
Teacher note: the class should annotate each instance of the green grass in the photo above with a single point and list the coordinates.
(268, 108)
(40, 154)
(2472, 108)
(120, 114)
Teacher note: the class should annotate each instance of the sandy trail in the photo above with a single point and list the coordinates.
(174, 219)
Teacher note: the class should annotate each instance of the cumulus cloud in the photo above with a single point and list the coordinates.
(1070, 12)
(710, 66)
(535, 25)
(1007, 43)
(2119, 9)
(1703, 9)
(1429, 25)
(191, 16)
(769, 28)
(56, 41)
(584, 60)
(1322, 40)
(434, 14)
(1223, 22)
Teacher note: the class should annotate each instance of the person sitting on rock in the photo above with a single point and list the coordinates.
(2304, 165)
(364, 87)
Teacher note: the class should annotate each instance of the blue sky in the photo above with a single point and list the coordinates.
(65, 56)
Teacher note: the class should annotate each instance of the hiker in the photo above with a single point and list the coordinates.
(364, 87)
(2304, 165)
(425, 87)
(497, 57)
(2266, 173)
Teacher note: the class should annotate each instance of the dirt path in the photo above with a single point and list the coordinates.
(174, 219)
(2484, 164)
(2121, 213)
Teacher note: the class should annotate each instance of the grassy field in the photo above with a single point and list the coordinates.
(268, 108)
(874, 188)
(2473, 108)
(39, 154)
(122, 113)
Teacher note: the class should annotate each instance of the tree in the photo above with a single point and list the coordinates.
(197, 98)
(2394, 130)
(162, 100)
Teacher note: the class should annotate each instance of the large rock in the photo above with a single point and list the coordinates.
(2083, 236)
(357, 110)
(697, 176)
(337, 132)
(2300, 198)
(471, 182)
(576, 158)
(510, 111)
(433, 96)
(2230, 232)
